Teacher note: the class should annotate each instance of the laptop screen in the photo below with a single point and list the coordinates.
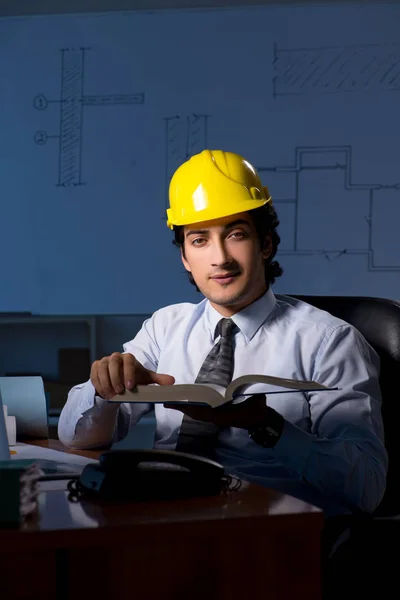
(26, 401)
(4, 448)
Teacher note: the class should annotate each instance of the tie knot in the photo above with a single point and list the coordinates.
(225, 327)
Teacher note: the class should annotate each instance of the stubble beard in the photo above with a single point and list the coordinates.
(223, 299)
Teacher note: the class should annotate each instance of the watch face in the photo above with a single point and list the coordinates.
(265, 436)
(268, 434)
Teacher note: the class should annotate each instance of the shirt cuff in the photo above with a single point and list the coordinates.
(100, 402)
(294, 447)
(96, 403)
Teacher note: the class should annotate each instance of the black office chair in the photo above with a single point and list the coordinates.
(378, 320)
(365, 562)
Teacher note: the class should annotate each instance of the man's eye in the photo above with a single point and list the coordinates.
(198, 241)
(238, 234)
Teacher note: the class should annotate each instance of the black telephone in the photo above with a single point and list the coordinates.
(137, 475)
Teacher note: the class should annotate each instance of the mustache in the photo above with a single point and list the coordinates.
(226, 273)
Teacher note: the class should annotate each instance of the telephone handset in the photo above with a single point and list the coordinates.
(137, 475)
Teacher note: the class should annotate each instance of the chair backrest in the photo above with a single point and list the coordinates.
(378, 320)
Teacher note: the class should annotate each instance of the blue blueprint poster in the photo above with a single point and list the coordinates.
(97, 111)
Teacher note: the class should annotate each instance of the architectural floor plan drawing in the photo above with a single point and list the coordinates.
(324, 212)
(185, 135)
(335, 69)
(74, 98)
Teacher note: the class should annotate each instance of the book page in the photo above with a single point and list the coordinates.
(241, 383)
(190, 393)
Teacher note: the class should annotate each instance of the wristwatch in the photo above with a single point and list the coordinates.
(268, 433)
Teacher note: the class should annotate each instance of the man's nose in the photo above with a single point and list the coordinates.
(220, 255)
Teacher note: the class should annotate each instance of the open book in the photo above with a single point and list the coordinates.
(214, 395)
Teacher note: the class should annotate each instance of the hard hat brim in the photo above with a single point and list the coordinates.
(207, 215)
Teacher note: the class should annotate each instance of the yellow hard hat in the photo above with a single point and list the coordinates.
(211, 185)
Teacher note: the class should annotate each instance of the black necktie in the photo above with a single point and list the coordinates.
(200, 437)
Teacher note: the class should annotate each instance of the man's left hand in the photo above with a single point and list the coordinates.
(244, 415)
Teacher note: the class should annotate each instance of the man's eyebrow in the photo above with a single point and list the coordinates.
(227, 227)
(236, 224)
(197, 232)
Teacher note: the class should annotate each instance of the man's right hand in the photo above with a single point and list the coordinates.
(112, 374)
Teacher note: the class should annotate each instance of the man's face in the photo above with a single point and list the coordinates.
(226, 261)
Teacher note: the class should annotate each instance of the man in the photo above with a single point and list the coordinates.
(324, 447)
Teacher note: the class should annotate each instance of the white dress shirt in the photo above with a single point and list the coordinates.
(331, 452)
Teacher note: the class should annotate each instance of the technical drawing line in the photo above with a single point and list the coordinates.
(330, 159)
(336, 69)
(62, 51)
(184, 137)
(300, 151)
(71, 114)
(81, 114)
(71, 118)
(107, 99)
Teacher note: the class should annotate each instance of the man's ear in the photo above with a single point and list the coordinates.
(184, 261)
(267, 248)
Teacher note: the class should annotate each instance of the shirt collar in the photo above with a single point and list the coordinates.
(249, 320)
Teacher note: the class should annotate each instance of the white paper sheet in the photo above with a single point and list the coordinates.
(52, 461)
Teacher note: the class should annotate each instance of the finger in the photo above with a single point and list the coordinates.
(107, 391)
(130, 367)
(258, 400)
(161, 378)
(240, 414)
(94, 378)
(115, 370)
(145, 376)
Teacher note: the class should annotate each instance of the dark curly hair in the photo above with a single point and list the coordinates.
(266, 222)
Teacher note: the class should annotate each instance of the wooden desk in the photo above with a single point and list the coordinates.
(253, 543)
(57, 445)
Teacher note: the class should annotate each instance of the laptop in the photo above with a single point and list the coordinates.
(26, 400)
